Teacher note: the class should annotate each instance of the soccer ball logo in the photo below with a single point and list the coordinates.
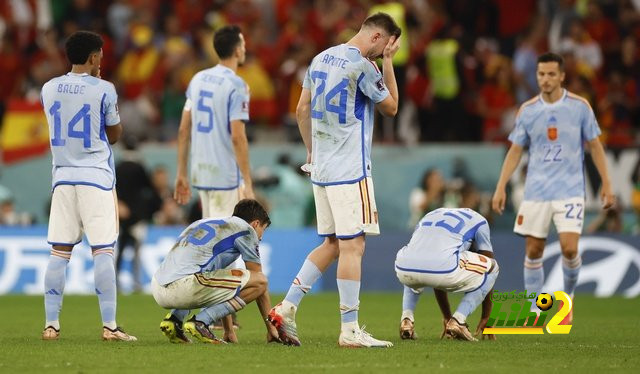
(544, 301)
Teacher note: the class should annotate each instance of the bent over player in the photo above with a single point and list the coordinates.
(440, 255)
(555, 125)
(83, 119)
(194, 275)
(341, 89)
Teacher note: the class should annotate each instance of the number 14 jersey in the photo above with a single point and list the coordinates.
(78, 107)
(344, 87)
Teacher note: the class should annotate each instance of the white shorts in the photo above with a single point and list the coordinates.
(78, 208)
(346, 210)
(534, 217)
(200, 290)
(219, 203)
(468, 276)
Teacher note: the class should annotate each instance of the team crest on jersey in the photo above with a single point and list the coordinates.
(380, 84)
(552, 133)
(520, 219)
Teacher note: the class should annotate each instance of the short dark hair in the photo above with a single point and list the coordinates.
(80, 45)
(383, 21)
(225, 40)
(251, 210)
(552, 57)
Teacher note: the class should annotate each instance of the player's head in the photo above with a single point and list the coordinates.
(378, 29)
(85, 48)
(550, 72)
(229, 43)
(254, 214)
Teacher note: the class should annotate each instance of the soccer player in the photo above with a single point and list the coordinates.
(335, 116)
(193, 275)
(213, 127)
(440, 255)
(554, 126)
(82, 114)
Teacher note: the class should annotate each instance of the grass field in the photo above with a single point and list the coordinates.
(604, 337)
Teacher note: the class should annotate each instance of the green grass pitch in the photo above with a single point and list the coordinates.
(604, 336)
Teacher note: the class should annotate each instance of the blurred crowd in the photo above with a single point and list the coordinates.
(463, 69)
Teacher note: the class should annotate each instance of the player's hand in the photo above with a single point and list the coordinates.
(498, 201)
(230, 337)
(272, 334)
(607, 197)
(481, 325)
(393, 45)
(248, 192)
(182, 193)
(444, 329)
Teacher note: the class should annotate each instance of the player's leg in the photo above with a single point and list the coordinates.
(99, 218)
(534, 218)
(355, 215)
(410, 298)
(64, 233)
(204, 202)
(282, 316)
(172, 324)
(220, 297)
(479, 276)
(569, 218)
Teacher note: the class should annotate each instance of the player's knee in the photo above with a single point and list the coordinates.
(570, 253)
(495, 269)
(261, 282)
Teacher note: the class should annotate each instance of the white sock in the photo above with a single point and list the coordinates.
(54, 324)
(350, 326)
(407, 314)
(460, 317)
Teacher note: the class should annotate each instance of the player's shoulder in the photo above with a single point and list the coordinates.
(238, 223)
(579, 100)
(529, 106)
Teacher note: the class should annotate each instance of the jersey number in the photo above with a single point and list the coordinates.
(340, 90)
(202, 234)
(578, 207)
(83, 115)
(552, 153)
(208, 126)
(458, 222)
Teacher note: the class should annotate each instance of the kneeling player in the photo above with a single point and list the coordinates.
(438, 256)
(193, 275)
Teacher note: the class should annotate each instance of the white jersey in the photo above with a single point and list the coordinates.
(440, 237)
(209, 244)
(344, 87)
(217, 96)
(78, 107)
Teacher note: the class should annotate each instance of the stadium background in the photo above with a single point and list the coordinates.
(463, 69)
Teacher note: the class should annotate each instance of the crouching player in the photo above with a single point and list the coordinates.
(193, 275)
(439, 256)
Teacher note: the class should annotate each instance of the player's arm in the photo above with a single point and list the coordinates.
(443, 303)
(389, 106)
(113, 133)
(182, 192)
(241, 150)
(511, 161)
(264, 305)
(600, 160)
(303, 116)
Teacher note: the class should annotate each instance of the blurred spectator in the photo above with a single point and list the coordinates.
(524, 62)
(495, 99)
(166, 211)
(586, 51)
(429, 195)
(8, 215)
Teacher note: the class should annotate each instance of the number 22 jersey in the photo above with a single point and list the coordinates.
(344, 87)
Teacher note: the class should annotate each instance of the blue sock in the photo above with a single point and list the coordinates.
(533, 277)
(54, 280)
(307, 276)
(180, 314)
(571, 270)
(215, 312)
(471, 300)
(410, 298)
(349, 291)
(105, 280)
